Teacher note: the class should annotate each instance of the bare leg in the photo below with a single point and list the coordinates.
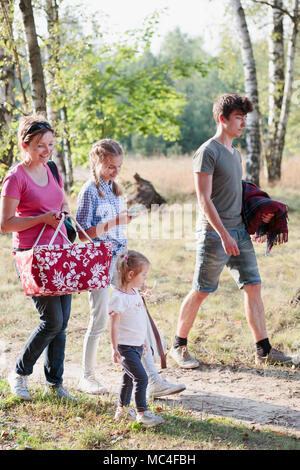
(188, 312)
(254, 311)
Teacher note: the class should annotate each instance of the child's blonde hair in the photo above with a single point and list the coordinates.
(129, 261)
(99, 151)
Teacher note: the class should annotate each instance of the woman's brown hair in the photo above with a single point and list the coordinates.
(25, 134)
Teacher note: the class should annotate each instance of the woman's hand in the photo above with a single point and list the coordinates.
(52, 218)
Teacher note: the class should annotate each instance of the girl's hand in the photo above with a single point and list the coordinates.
(123, 218)
(116, 356)
(145, 348)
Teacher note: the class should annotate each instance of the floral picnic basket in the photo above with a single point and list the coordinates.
(64, 269)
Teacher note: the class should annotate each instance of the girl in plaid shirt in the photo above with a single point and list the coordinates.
(102, 215)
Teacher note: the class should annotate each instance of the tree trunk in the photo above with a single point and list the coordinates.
(274, 171)
(62, 155)
(145, 194)
(276, 80)
(38, 90)
(7, 101)
(7, 96)
(67, 151)
(251, 88)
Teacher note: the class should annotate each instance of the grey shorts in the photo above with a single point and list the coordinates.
(211, 259)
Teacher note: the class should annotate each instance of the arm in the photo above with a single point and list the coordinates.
(114, 335)
(65, 205)
(203, 184)
(121, 219)
(9, 222)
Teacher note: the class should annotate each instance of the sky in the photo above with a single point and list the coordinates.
(195, 17)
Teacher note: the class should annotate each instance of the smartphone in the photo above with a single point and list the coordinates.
(136, 209)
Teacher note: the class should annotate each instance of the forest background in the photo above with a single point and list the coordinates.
(94, 85)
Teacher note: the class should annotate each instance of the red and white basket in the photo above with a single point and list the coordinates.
(64, 269)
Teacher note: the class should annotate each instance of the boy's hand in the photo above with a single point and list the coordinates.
(267, 217)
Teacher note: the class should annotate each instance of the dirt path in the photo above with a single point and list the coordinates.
(254, 396)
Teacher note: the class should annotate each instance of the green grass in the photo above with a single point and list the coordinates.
(220, 335)
(51, 424)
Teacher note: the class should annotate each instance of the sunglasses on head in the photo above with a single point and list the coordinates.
(36, 127)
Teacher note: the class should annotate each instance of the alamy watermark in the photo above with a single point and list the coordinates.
(167, 222)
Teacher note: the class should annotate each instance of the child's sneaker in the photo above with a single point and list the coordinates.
(148, 419)
(125, 413)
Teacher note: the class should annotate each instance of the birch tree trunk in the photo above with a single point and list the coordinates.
(276, 80)
(62, 155)
(51, 68)
(252, 131)
(274, 170)
(7, 96)
(67, 150)
(38, 90)
(7, 101)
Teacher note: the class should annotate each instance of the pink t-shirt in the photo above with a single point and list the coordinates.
(34, 200)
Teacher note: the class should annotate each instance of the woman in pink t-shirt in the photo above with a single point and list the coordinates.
(30, 198)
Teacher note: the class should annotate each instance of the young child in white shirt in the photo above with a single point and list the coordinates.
(128, 337)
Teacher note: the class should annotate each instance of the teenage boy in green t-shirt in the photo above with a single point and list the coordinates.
(221, 235)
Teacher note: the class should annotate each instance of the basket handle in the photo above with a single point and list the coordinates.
(63, 216)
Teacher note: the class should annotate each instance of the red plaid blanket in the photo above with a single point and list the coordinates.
(256, 203)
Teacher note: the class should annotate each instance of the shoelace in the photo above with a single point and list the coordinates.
(22, 383)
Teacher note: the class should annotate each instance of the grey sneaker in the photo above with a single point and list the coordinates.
(163, 387)
(59, 391)
(18, 385)
(125, 413)
(276, 357)
(149, 420)
(183, 358)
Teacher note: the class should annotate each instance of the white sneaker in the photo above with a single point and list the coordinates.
(125, 413)
(148, 419)
(163, 387)
(18, 385)
(59, 391)
(91, 385)
(183, 358)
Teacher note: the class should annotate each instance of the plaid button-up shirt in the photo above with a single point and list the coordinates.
(94, 209)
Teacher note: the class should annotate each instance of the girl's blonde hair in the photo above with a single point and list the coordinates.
(129, 261)
(99, 151)
(25, 123)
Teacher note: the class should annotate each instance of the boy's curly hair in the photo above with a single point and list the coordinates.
(229, 102)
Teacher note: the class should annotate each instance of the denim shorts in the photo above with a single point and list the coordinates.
(211, 259)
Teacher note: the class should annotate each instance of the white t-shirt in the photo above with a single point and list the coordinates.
(133, 316)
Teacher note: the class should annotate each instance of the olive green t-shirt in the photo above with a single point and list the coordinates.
(226, 167)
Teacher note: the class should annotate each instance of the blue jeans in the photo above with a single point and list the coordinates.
(134, 376)
(50, 335)
(211, 260)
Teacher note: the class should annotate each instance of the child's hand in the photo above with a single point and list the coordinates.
(145, 348)
(123, 218)
(116, 356)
